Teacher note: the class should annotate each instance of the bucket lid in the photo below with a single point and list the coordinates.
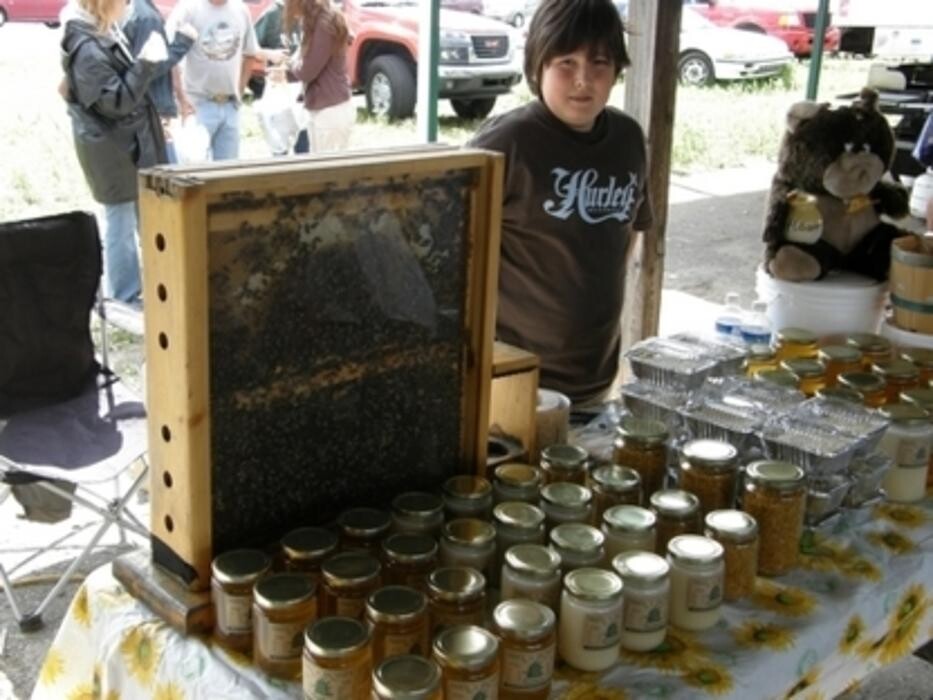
(837, 285)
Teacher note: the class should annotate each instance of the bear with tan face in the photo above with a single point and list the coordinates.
(828, 195)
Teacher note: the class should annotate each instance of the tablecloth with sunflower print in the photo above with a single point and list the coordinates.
(861, 598)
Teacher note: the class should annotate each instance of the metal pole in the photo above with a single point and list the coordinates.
(816, 52)
(428, 53)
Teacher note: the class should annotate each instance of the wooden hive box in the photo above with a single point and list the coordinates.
(319, 334)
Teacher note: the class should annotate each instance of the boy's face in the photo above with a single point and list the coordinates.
(576, 86)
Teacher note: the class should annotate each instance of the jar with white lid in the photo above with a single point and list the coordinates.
(233, 575)
(417, 513)
(907, 442)
(532, 571)
(564, 502)
(337, 660)
(590, 619)
(469, 660)
(697, 578)
(678, 513)
(578, 545)
(407, 678)
(527, 646)
(469, 542)
(564, 463)
(645, 605)
(629, 528)
(516, 522)
(516, 482)
(467, 496)
(363, 529)
(613, 485)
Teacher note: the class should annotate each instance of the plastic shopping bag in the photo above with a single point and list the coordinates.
(276, 112)
(191, 139)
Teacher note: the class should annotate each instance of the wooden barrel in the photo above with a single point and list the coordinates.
(912, 285)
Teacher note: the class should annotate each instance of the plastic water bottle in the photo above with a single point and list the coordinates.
(728, 322)
(755, 328)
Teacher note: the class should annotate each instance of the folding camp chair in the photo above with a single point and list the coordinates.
(68, 425)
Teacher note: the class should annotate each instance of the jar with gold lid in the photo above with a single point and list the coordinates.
(874, 347)
(922, 397)
(363, 529)
(796, 343)
(780, 377)
(337, 660)
(641, 444)
(613, 485)
(840, 393)
(709, 470)
(233, 575)
(305, 549)
(629, 528)
(349, 578)
(468, 657)
(407, 678)
(467, 496)
(737, 532)
(646, 603)
(838, 359)
(907, 442)
(516, 482)
(898, 375)
(759, 357)
(417, 513)
(590, 619)
(564, 502)
(527, 645)
(870, 387)
(775, 496)
(398, 618)
(408, 559)
(532, 571)
(283, 605)
(516, 523)
(811, 374)
(456, 596)
(678, 513)
(469, 542)
(578, 545)
(564, 463)
(922, 358)
(697, 575)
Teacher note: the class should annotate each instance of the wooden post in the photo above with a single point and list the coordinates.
(653, 40)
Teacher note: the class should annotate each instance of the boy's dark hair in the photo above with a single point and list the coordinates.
(560, 27)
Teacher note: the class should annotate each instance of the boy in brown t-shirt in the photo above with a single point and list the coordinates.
(574, 196)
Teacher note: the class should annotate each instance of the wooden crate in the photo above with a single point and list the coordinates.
(514, 396)
(318, 335)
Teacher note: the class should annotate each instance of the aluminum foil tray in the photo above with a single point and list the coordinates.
(825, 495)
(729, 358)
(719, 420)
(653, 402)
(767, 398)
(863, 424)
(670, 363)
(866, 474)
(809, 445)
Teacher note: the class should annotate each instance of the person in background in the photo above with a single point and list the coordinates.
(115, 125)
(574, 199)
(321, 66)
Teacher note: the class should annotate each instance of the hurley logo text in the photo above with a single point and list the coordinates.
(578, 191)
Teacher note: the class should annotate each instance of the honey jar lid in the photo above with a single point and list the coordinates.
(675, 503)
(409, 548)
(869, 343)
(564, 456)
(615, 478)
(518, 475)
(861, 381)
(629, 518)
(905, 414)
(467, 487)
(471, 532)
(240, 566)
(798, 336)
(308, 543)
(283, 590)
(395, 604)
(566, 495)
(456, 583)
(519, 515)
(732, 525)
(802, 367)
(524, 619)
(418, 504)
(593, 584)
(640, 567)
(921, 357)
(577, 537)
(919, 397)
(533, 559)
(781, 377)
(643, 430)
(407, 678)
(335, 637)
(783, 476)
(365, 523)
(760, 352)
(840, 393)
(350, 568)
(465, 646)
(694, 550)
(716, 455)
(840, 353)
(896, 369)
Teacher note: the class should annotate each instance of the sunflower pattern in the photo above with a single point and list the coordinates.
(679, 651)
(709, 678)
(784, 600)
(140, 651)
(80, 608)
(902, 515)
(893, 541)
(755, 634)
(852, 636)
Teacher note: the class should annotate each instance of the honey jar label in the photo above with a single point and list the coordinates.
(527, 670)
(280, 641)
(465, 690)
(912, 453)
(645, 613)
(402, 644)
(704, 593)
(235, 614)
(351, 607)
(329, 684)
(602, 630)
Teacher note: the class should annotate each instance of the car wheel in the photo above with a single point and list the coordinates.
(695, 68)
(518, 21)
(52, 25)
(473, 109)
(390, 87)
(2, 17)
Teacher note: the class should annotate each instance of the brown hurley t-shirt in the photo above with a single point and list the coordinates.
(570, 204)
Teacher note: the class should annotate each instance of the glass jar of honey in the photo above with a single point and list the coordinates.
(363, 529)
(233, 575)
(564, 502)
(796, 343)
(468, 657)
(467, 496)
(642, 445)
(516, 523)
(337, 660)
(283, 605)
(629, 528)
(922, 358)
(564, 463)
(678, 513)
(898, 375)
(406, 678)
(709, 470)
(578, 545)
(349, 578)
(417, 513)
(919, 397)
(775, 496)
(840, 393)
(527, 646)
(838, 359)
(869, 386)
(469, 542)
(811, 374)
(398, 618)
(306, 548)
(456, 596)
(532, 571)
(516, 482)
(408, 559)
(737, 532)
(613, 485)
(760, 357)
(780, 377)
(874, 348)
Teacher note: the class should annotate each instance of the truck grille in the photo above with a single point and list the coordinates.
(809, 20)
(494, 46)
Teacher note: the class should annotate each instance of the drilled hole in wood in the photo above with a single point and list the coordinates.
(166, 433)
(162, 292)
(169, 523)
(163, 341)
(167, 479)
(160, 242)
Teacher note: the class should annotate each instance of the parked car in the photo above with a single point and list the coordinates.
(45, 11)
(514, 12)
(474, 6)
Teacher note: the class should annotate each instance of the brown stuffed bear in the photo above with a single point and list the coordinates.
(827, 195)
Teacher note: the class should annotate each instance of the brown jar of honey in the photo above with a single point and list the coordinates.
(678, 513)
(613, 485)
(839, 359)
(780, 377)
(233, 575)
(349, 578)
(870, 387)
(874, 348)
(898, 375)
(363, 529)
(811, 374)
(398, 618)
(796, 343)
(337, 659)
(760, 357)
(408, 559)
(709, 470)
(283, 606)
(642, 445)
(840, 393)
(305, 549)
(407, 678)
(564, 463)
(456, 596)
(468, 657)
(923, 360)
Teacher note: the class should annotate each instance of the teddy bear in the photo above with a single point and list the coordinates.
(828, 195)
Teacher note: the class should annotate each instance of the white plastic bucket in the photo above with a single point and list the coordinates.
(905, 339)
(841, 302)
